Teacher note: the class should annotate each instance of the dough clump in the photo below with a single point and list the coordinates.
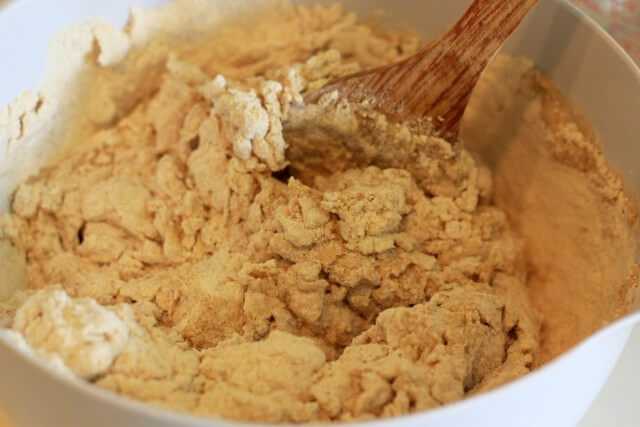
(212, 253)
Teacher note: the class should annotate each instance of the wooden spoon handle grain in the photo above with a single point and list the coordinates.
(437, 81)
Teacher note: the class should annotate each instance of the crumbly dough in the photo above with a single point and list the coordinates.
(85, 335)
(225, 250)
(581, 228)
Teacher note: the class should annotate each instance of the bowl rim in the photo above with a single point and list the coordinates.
(113, 399)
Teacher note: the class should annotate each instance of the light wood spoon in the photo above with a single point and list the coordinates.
(435, 83)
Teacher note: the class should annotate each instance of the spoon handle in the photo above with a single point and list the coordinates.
(440, 79)
(436, 82)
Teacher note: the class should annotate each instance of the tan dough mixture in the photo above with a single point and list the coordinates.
(225, 250)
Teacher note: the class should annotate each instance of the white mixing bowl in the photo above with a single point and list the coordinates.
(581, 59)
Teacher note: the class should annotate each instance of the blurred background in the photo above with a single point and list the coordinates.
(621, 18)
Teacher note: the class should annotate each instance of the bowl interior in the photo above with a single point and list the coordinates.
(565, 46)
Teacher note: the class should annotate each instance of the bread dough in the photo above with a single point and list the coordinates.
(257, 259)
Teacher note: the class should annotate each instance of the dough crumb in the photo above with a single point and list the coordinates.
(80, 333)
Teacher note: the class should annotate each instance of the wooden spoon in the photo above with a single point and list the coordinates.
(435, 83)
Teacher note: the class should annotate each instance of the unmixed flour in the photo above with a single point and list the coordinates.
(228, 251)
